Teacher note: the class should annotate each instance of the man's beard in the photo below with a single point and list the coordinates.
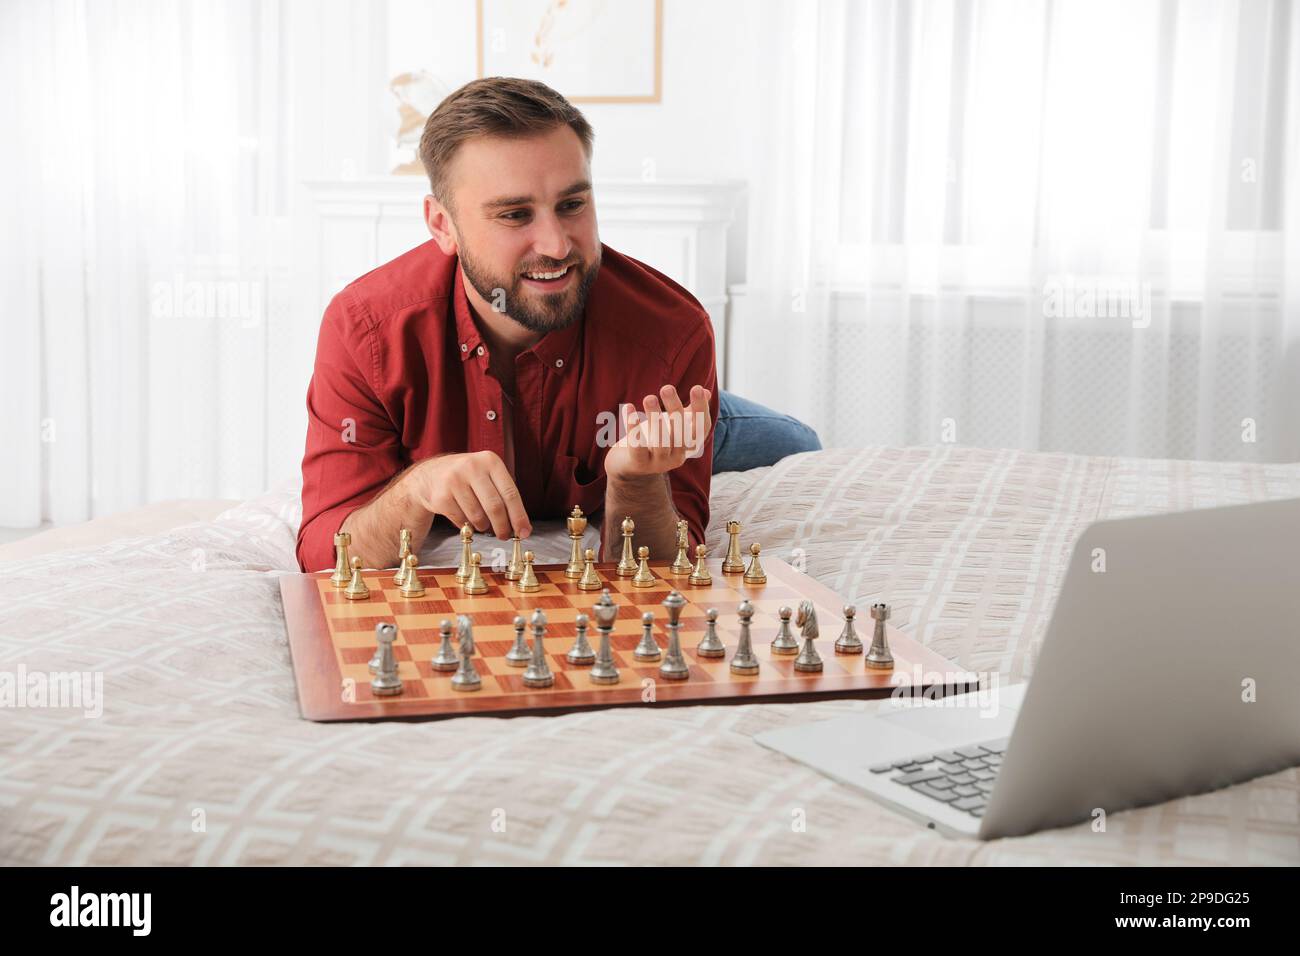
(544, 312)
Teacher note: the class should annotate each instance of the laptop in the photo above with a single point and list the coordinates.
(1170, 666)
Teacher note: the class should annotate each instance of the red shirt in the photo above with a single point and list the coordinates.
(402, 374)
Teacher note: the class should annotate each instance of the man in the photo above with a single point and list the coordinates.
(492, 374)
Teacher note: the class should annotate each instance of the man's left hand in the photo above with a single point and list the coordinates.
(664, 437)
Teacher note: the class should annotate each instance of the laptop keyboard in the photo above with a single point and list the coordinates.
(962, 777)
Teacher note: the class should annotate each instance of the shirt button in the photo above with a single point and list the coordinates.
(479, 350)
(491, 415)
(464, 347)
(559, 363)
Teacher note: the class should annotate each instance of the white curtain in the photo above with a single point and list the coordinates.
(1069, 225)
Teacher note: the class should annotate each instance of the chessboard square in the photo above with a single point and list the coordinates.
(529, 602)
(514, 683)
(429, 604)
(477, 604)
(420, 635)
(642, 596)
(357, 624)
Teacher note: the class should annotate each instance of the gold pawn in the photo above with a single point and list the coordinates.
(643, 578)
(342, 565)
(466, 541)
(733, 563)
(590, 580)
(516, 565)
(403, 550)
(356, 589)
(528, 582)
(754, 574)
(626, 563)
(475, 584)
(701, 573)
(412, 586)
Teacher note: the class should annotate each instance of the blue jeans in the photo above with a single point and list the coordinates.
(747, 435)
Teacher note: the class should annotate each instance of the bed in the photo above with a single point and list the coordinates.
(200, 756)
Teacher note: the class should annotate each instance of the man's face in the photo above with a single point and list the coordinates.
(523, 211)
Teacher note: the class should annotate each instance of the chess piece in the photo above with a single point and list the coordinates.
(682, 562)
(342, 563)
(577, 526)
(475, 584)
(626, 563)
(606, 612)
(590, 580)
(701, 573)
(377, 659)
(446, 659)
(538, 672)
(848, 642)
(466, 677)
(784, 643)
(356, 589)
(880, 657)
(754, 574)
(516, 565)
(403, 549)
(732, 563)
(808, 661)
(466, 548)
(647, 649)
(674, 666)
(386, 683)
(412, 586)
(581, 652)
(528, 582)
(644, 577)
(519, 655)
(710, 644)
(745, 661)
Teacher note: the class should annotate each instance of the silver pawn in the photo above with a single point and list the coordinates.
(466, 678)
(538, 673)
(674, 666)
(710, 644)
(386, 683)
(784, 642)
(446, 659)
(879, 657)
(647, 649)
(581, 652)
(848, 642)
(605, 612)
(519, 655)
(808, 660)
(744, 661)
(377, 658)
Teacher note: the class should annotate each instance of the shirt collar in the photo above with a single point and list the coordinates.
(555, 350)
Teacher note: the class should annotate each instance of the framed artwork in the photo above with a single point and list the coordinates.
(591, 51)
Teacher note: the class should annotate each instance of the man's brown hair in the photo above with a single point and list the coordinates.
(493, 106)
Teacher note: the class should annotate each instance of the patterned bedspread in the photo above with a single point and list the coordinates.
(200, 757)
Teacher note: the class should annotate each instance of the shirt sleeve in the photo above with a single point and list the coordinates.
(696, 364)
(353, 447)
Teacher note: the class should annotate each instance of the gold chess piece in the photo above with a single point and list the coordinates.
(643, 577)
(528, 582)
(754, 574)
(412, 586)
(590, 580)
(701, 573)
(682, 562)
(733, 563)
(342, 565)
(356, 589)
(466, 547)
(577, 525)
(402, 551)
(626, 563)
(516, 565)
(475, 584)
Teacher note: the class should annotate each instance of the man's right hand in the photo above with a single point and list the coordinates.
(474, 487)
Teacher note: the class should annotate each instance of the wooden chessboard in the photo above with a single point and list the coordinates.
(332, 640)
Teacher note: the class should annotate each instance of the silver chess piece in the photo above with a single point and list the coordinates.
(710, 644)
(446, 659)
(880, 657)
(808, 660)
(647, 649)
(377, 658)
(538, 673)
(386, 683)
(674, 666)
(745, 661)
(581, 652)
(784, 642)
(466, 678)
(606, 612)
(519, 655)
(848, 642)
